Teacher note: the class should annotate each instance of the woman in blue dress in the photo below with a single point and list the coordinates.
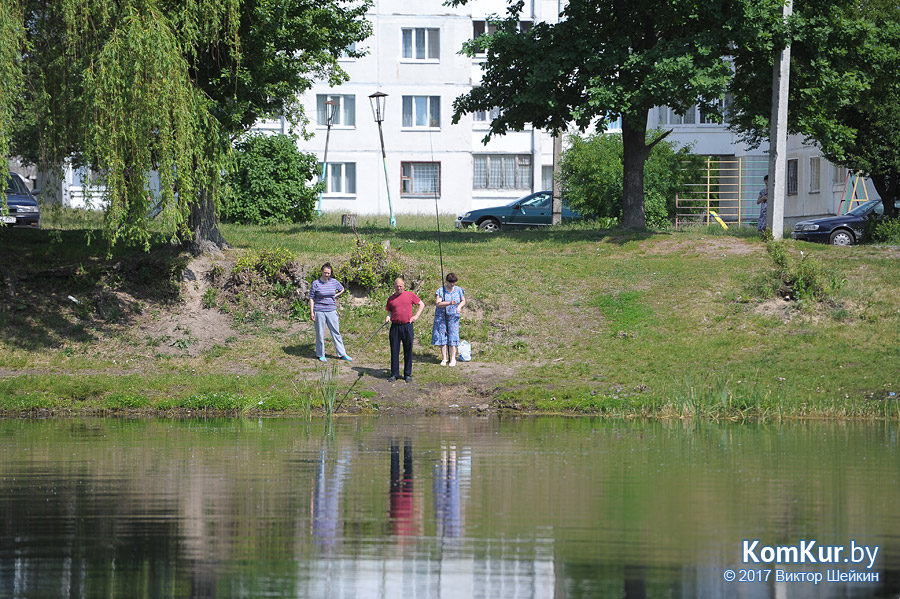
(449, 301)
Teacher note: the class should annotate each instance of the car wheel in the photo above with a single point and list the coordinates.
(841, 237)
(491, 225)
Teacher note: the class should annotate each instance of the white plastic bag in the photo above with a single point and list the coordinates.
(465, 351)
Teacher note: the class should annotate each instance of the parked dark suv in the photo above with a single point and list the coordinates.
(23, 208)
(534, 210)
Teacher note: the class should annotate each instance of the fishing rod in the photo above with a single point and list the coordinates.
(373, 335)
(360, 373)
(437, 218)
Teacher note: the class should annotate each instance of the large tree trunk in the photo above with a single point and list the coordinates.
(634, 154)
(888, 187)
(204, 222)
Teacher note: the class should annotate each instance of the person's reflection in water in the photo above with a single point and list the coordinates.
(635, 582)
(402, 510)
(326, 499)
(446, 495)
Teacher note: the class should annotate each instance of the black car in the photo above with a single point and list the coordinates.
(534, 210)
(23, 208)
(843, 229)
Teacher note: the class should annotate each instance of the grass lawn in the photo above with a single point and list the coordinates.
(572, 319)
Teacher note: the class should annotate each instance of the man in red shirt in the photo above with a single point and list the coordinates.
(400, 306)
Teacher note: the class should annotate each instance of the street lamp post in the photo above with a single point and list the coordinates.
(377, 101)
(330, 110)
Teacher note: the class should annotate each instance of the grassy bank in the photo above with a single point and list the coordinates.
(576, 319)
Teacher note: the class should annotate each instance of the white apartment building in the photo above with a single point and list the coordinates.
(414, 57)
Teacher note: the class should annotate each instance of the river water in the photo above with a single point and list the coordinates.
(464, 507)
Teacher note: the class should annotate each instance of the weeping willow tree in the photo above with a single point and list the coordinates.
(127, 87)
(12, 42)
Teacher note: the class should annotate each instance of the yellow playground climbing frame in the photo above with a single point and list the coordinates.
(726, 192)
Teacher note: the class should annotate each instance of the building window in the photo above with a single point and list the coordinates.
(421, 44)
(340, 178)
(485, 117)
(85, 177)
(547, 177)
(422, 111)
(482, 27)
(840, 175)
(721, 112)
(668, 116)
(502, 171)
(345, 54)
(479, 28)
(344, 115)
(815, 169)
(420, 178)
(792, 177)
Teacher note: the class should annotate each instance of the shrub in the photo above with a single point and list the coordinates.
(803, 279)
(269, 182)
(300, 310)
(210, 297)
(369, 267)
(592, 177)
(271, 263)
(283, 290)
(887, 231)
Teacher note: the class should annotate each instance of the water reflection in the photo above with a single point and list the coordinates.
(475, 507)
(447, 500)
(325, 506)
(405, 520)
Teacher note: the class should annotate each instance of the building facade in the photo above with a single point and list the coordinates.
(815, 187)
(414, 57)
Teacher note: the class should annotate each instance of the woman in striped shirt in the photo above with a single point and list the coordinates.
(323, 308)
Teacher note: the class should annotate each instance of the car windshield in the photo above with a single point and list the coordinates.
(537, 200)
(14, 185)
(864, 209)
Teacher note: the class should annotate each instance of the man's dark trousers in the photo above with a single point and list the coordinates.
(401, 333)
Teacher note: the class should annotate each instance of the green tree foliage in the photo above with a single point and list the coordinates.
(283, 47)
(844, 87)
(131, 86)
(592, 176)
(607, 58)
(11, 47)
(270, 182)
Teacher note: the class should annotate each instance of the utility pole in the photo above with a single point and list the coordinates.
(778, 134)
(556, 204)
(556, 207)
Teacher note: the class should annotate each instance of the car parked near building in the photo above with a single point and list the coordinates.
(23, 208)
(534, 210)
(843, 229)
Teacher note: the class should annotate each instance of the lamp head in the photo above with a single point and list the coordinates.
(331, 108)
(378, 101)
